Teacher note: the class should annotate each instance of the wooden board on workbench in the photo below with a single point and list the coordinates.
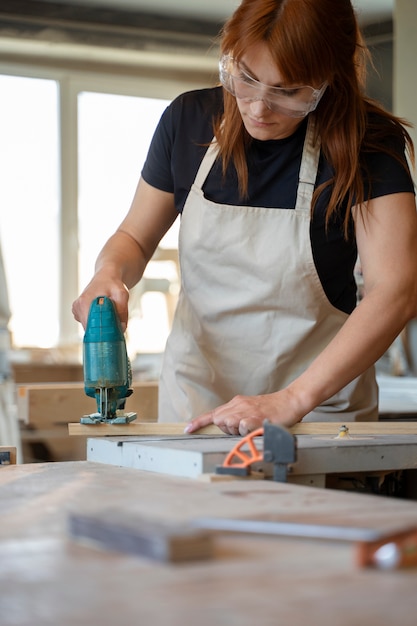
(138, 428)
(46, 409)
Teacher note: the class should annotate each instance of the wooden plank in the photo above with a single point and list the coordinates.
(138, 428)
(355, 428)
(42, 405)
(33, 372)
(45, 409)
(165, 542)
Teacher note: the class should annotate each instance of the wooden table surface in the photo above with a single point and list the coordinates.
(47, 579)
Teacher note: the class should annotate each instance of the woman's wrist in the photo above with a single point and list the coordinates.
(300, 401)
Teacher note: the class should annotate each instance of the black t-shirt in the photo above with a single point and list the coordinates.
(180, 142)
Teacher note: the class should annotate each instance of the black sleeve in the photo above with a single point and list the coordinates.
(157, 168)
(180, 142)
(384, 174)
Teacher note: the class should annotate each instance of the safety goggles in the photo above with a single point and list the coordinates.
(291, 101)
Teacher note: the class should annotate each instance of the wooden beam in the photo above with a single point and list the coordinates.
(131, 534)
(45, 409)
(42, 405)
(307, 428)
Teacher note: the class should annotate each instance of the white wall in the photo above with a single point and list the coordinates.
(405, 59)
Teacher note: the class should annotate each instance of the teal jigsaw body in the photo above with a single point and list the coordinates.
(107, 371)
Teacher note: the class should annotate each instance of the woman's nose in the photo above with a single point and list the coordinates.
(258, 107)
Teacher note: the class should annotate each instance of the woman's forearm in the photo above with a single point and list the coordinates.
(122, 258)
(364, 338)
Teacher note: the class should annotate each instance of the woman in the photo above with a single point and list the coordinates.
(282, 175)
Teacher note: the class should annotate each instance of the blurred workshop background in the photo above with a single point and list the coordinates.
(83, 84)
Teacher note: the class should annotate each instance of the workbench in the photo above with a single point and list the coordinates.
(45, 409)
(48, 579)
(319, 457)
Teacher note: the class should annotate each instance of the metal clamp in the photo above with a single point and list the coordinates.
(279, 448)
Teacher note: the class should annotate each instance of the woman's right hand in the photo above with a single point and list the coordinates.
(102, 285)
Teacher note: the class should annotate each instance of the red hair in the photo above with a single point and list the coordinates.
(313, 41)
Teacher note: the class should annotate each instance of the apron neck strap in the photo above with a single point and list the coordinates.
(308, 168)
(206, 164)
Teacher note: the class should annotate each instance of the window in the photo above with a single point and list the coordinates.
(114, 133)
(113, 136)
(72, 148)
(29, 206)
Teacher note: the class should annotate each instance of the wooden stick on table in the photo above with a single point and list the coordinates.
(177, 428)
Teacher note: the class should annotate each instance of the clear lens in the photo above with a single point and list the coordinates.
(291, 101)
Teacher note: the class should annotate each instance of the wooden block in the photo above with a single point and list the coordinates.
(46, 372)
(216, 478)
(177, 428)
(44, 405)
(155, 540)
(45, 409)
(52, 445)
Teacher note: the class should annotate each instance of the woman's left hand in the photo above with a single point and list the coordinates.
(244, 414)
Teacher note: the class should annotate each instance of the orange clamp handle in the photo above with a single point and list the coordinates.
(245, 459)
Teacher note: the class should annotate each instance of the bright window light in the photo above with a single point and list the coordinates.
(29, 207)
(114, 133)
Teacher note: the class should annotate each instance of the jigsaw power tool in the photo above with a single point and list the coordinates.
(107, 372)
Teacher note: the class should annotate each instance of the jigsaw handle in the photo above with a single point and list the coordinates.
(107, 373)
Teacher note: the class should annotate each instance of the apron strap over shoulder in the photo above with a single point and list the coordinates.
(206, 164)
(308, 169)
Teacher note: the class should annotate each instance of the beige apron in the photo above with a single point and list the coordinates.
(252, 313)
